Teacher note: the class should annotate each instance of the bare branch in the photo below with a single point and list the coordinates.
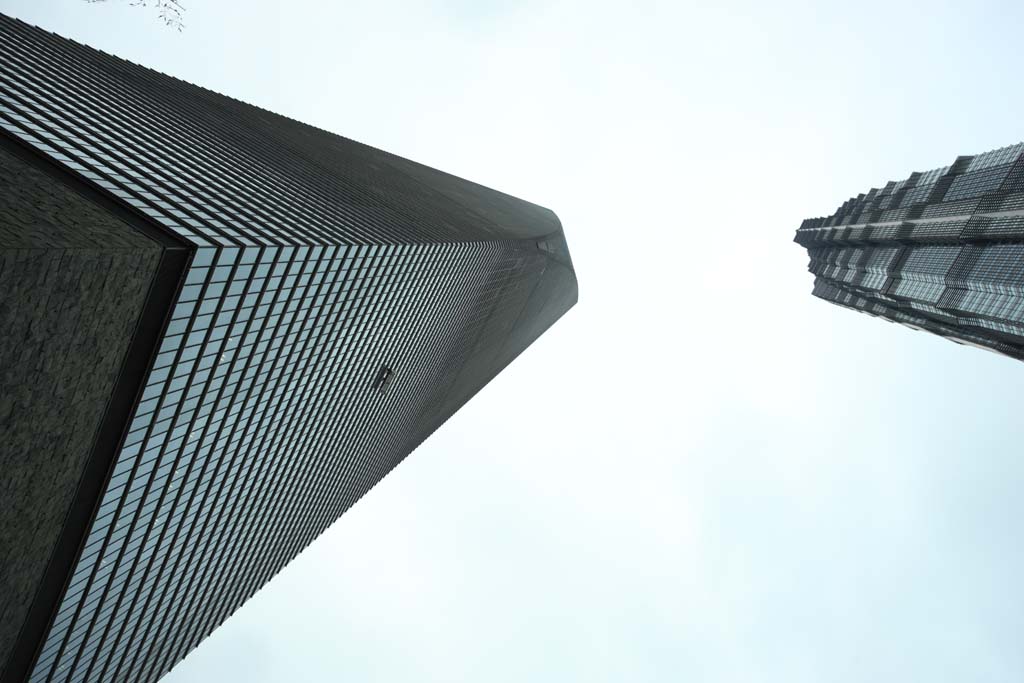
(169, 11)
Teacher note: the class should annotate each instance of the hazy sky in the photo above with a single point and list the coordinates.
(701, 473)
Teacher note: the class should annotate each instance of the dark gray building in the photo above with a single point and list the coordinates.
(941, 251)
(220, 328)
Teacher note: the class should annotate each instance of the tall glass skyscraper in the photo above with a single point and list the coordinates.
(942, 251)
(221, 327)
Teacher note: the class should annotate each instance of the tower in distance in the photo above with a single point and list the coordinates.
(941, 251)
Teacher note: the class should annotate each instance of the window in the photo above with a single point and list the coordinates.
(383, 379)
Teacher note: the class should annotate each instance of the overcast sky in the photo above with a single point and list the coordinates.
(701, 473)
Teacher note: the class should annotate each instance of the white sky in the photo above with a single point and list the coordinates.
(701, 473)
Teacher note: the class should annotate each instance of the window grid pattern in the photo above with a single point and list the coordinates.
(953, 265)
(79, 106)
(317, 261)
(216, 478)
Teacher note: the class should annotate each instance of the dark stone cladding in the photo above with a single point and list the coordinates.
(84, 290)
(941, 251)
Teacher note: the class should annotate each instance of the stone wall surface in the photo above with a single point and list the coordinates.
(73, 282)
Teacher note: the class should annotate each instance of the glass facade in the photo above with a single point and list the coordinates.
(941, 251)
(340, 304)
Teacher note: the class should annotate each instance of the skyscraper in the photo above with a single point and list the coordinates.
(941, 251)
(220, 328)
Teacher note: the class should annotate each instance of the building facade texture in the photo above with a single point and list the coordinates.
(221, 327)
(941, 251)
